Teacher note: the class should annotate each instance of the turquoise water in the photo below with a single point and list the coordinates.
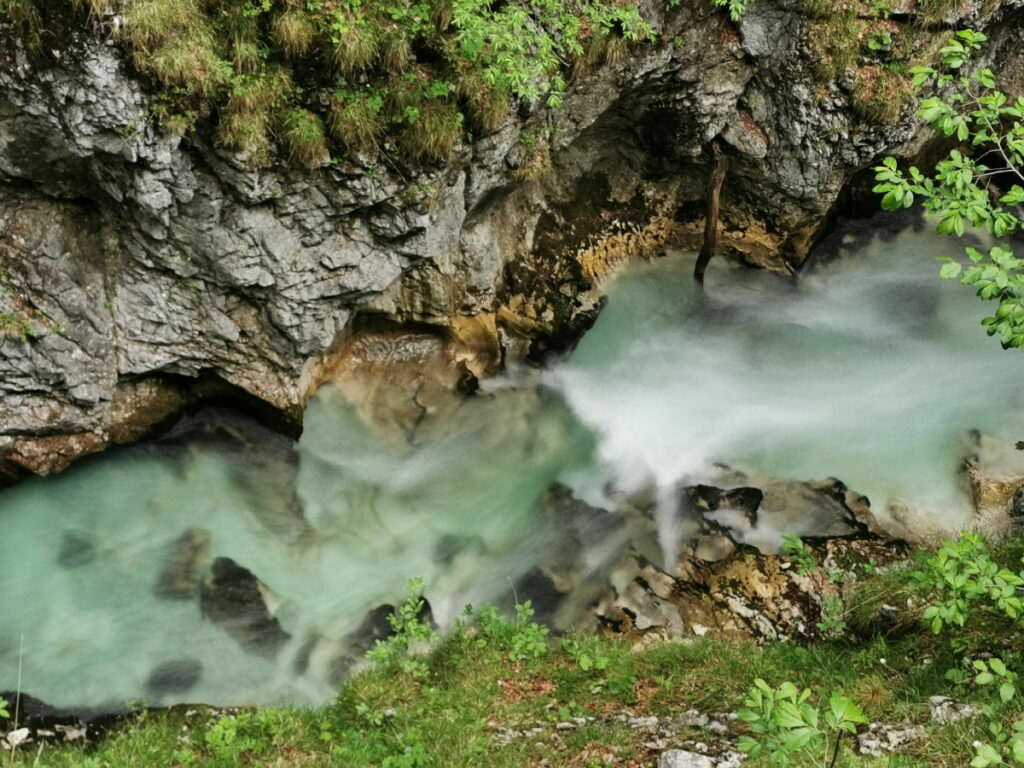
(869, 369)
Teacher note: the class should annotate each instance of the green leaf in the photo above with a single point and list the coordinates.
(844, 709)
(1007, 691)
(950, 270)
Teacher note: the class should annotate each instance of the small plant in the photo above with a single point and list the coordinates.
(409, 630)
(233, 736)
(833, 613)
(961, 575)
(959, 192)
(433, 132)
(356, 120)
(293, 32)
(880, 41)
(1009, 748)
(303, 136)
(529, 639)
(793, 548)
(995, 672)
(736, 8)
(785, 722)
(584, 654)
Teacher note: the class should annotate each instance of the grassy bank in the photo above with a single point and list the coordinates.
(500, 692)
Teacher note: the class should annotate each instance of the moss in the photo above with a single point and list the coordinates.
(938, 11)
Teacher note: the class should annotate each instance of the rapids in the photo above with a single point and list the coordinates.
(868, 368)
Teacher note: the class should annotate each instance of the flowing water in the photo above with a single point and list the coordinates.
(869, 369)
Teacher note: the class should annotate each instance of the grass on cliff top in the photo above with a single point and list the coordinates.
(420, 71)
(452, 706)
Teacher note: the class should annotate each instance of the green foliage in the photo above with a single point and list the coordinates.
(4, 712)
(586, 655)
(961, 576)
(833, 615)
(784, 722)
(411, 633)
(390, 55)
(995, 672)
(1008, 748)
(736, 7)
(304, 137)
(962, 190)
(793, 548)
(879, 41)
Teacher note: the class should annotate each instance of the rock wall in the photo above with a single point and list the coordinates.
(135, 264)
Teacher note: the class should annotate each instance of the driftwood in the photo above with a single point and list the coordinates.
(719, 166)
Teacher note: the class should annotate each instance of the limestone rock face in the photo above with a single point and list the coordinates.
(133, 263)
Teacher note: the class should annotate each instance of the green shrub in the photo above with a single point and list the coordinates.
(293, 32)
(303, 136)
(356, 121)
(784, 722)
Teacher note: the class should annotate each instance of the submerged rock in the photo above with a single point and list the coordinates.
(185, 560)
(76, 550)
(174, 677)
(236, 600)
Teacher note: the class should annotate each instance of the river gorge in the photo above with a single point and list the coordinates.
(864, 368)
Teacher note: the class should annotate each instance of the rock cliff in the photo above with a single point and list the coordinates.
(140, 271)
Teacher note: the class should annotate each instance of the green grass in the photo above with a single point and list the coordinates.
(471, 689)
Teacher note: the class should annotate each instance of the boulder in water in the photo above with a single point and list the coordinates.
(236, 600)
(174, 677)
(76, 550)
(185, 559)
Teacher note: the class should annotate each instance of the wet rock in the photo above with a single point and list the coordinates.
(76, 550)
(174, 677)
(756, 509)
(236, 600)
(263, 463)
(185, 560)
(745, 595)
(880, 739)
(944, 710)
(707, 498)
